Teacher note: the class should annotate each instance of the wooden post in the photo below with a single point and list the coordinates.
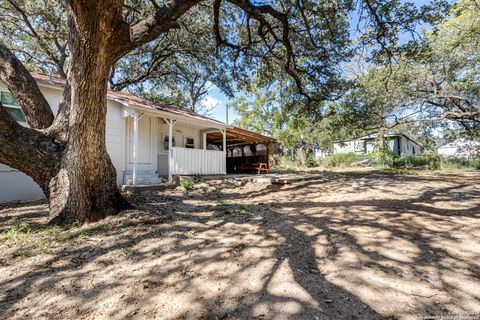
(224, 133)
(135, 147)
(170, 123)
(268, 156)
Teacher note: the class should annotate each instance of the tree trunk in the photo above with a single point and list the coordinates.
(381, 147)
(67, 155)
(85, 187)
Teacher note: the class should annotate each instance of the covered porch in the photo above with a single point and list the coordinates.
(246, 151)
(160, 146)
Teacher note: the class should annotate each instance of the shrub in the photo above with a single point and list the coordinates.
(460, 164)
(429, 162)
(310, 161)
(187, 183)
(198, 179)
(343, 159)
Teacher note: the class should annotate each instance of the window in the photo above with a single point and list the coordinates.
(12, 106)
(189, 143)
(165, 142)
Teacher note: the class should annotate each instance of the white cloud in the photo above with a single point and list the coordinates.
(210, 103)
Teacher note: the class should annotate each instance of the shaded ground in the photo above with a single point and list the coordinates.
(344, 246)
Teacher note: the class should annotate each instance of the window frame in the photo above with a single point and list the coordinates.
(11, 106)
(190, 144)
(165, 147)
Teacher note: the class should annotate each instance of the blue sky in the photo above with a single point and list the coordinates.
(217, 97)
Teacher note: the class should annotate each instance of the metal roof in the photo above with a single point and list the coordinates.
(130, 99)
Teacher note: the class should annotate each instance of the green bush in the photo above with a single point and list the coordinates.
(429, 162)
(432, 162)
(344, 159)
(310, 161)
(460, 164)
(187, 183)
(198, 179)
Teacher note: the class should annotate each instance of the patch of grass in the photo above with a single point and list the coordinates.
(187, 184)
(197, 274)
(346, 159)
(32, 242)
(198, 179)
(397, 171)
(420, 162)
(62, 237)
(143, 285)
(17, 234)
(104, 227)
(127, 252)
(460, 164)
(156, 252)
(432, 162)
(242, 209)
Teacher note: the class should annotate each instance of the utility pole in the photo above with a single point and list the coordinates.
(226, 115)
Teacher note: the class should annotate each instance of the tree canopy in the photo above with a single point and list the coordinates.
(425, 84)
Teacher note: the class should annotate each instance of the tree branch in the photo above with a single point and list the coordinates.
(163, 19)
(22, 85)
(27, 150)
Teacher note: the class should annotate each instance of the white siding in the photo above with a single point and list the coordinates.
(409, 148)
(344, 147)
(406, 146)
(17, 186)
(460, 148)
(115, 138)
(198, 161)
(180, 132)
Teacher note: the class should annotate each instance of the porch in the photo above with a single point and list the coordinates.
(161, 147)
(246, 151)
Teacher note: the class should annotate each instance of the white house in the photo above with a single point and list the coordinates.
(459, 148)
(147, 142)
(398, 143)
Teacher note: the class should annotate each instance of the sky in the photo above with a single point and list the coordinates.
(219, 101)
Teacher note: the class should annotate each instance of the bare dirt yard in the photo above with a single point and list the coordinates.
(341, 246)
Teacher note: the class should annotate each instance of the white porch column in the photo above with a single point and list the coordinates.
(171, 123)
(224, 134)
(204, 141)
(135, 147)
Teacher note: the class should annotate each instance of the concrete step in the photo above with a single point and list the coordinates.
(145, 180)
(141, 176)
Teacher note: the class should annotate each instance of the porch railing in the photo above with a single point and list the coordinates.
(198, 161)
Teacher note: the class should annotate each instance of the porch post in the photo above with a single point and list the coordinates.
(170, 122)
(204, 141)
(135, 147)
(224, 133)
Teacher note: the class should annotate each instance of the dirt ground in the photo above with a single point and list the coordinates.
(343, 246)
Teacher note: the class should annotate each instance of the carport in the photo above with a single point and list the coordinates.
(247, 152)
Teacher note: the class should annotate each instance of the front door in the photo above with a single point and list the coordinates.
(146, 153)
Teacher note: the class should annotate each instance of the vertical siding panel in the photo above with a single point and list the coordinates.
(198, 161)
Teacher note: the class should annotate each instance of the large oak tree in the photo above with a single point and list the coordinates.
(66, 153)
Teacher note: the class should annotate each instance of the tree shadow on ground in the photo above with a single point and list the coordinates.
(319, 249)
